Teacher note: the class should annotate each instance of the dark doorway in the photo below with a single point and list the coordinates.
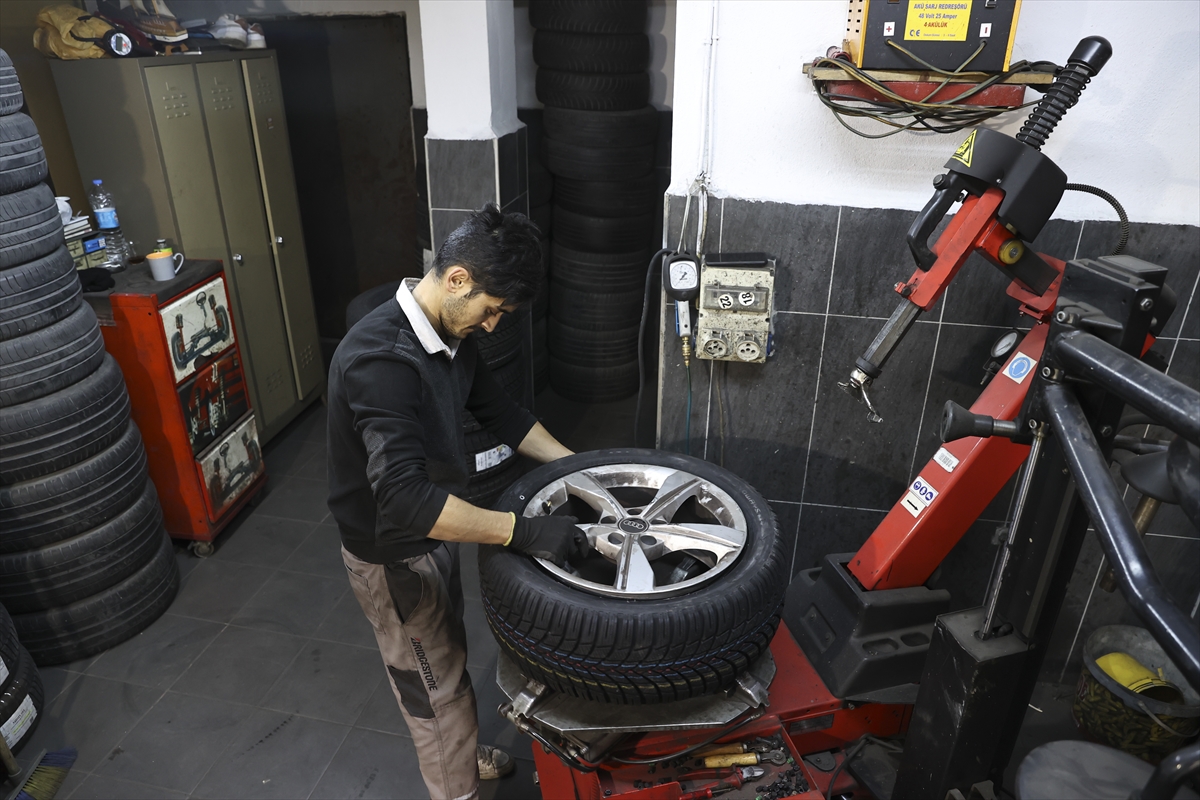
(348, 97)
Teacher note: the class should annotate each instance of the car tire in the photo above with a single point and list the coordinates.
(595, 310)
(588, 16)
(582, 52)
(96, 623)
(38, 294)
(63, 504)
(591, 91)
(11, 98)
(21, 701)
(61, 429)
(599, 272)
(22, 160)
(636, 651)
(601, 128)
(590, 384)
(602, 234)
(583, 163)
(610, 198)
(30, 226)
(592, 348)
(67, 571)
(51, 359)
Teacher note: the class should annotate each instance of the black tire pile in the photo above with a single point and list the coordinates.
(599, 143)
(85, 562)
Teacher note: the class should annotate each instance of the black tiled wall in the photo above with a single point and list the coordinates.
(831, 475)
(464, 174)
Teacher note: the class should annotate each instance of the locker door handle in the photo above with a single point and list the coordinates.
(237, 257)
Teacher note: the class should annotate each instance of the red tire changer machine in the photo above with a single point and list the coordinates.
(875, 690)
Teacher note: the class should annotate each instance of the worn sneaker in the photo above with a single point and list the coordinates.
(493, 762)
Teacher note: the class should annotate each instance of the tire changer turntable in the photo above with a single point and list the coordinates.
(869, 688)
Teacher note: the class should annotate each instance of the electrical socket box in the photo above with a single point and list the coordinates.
(737, 297)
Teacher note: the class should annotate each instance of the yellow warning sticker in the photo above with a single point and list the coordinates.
(966, 150)
(938, 20)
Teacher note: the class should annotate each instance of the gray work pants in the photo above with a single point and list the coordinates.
(416, 609)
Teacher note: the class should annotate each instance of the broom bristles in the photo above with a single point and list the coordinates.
(48, 776)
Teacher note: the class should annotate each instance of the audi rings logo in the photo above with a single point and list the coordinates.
(633, 525)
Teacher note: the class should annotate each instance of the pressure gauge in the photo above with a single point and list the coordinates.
(681, 277)
(1005, 344)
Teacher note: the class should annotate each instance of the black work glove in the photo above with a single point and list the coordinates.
(551, 538)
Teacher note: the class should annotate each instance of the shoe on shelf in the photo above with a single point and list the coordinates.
(255, 40)
(158, 24)
(229, 30)
(493, 762)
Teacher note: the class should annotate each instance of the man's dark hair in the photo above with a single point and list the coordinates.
(502, 252)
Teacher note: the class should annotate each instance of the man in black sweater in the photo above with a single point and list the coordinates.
(398, 384)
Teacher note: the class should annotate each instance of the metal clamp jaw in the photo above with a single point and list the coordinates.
(856, 387)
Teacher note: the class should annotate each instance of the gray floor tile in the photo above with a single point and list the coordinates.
(54, 680)
(216, 590)
(288, 453)
(104, 787)
(241, 665)
(327, 681)
(263, 540)
(75, 778)
(273, 755)
(296, 498)
(381, 711)
(316, 467)
(176, 743)
(159, 654)
(291, 603)
(347, 624)
(92, 715)
(319, 554)
(371, 764)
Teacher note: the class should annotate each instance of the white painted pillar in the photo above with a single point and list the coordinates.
(470, 68)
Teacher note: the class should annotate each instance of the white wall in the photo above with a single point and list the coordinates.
(1135, 132)
(211, 9)
(660, 26)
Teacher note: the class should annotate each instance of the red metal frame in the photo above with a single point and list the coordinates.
(802, 711)
(1000, 94)
(911, 541)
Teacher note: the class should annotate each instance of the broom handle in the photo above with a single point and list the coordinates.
(11, 767)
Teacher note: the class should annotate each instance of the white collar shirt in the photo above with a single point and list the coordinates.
(420, 323)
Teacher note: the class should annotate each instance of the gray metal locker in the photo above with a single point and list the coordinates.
(195, 149)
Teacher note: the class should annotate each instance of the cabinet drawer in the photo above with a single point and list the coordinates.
(213, 400)
(196, 325)
(229, 466)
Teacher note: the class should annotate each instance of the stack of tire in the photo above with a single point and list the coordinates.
(85, 562)
(21, 695)
(599, 142)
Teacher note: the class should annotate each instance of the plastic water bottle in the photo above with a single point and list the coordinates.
(117, 250)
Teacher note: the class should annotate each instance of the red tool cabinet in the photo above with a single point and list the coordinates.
(175, 343)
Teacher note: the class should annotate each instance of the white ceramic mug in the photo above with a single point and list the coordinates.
(164, 266)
